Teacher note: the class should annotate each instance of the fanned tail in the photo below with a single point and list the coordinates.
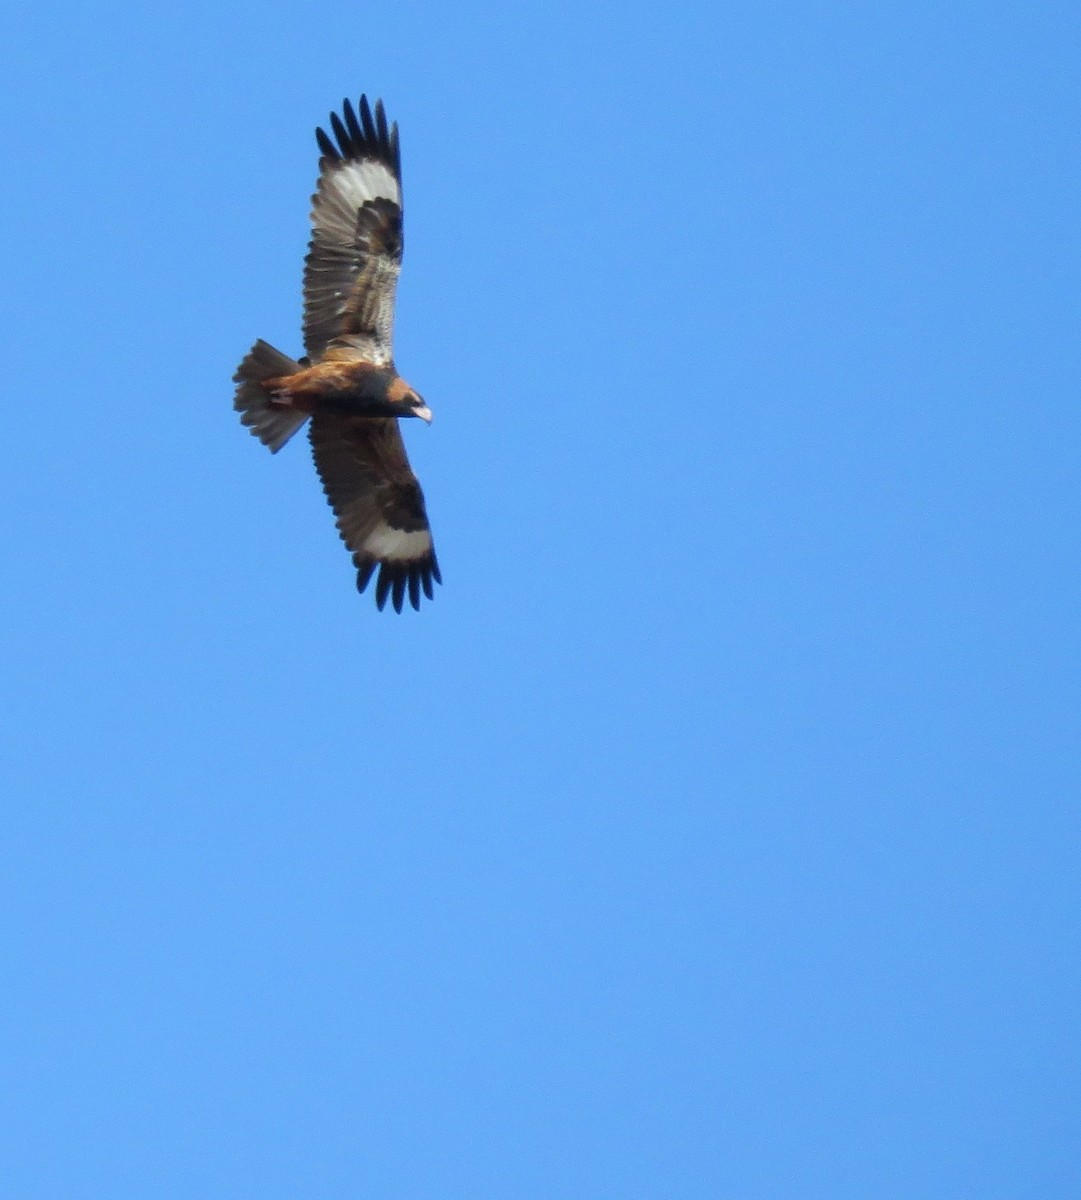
(272, 424)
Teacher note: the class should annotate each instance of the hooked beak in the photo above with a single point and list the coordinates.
(424, 412)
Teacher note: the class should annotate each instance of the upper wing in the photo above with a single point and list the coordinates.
(378, 503)
(355, 253)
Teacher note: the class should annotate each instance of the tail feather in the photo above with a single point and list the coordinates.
(271, 424)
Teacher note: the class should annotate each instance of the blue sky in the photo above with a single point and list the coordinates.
(715, 831)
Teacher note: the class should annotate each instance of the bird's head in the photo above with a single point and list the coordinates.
(408, 401)
(417, 408)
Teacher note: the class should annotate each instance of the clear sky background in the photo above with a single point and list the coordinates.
(715, 831)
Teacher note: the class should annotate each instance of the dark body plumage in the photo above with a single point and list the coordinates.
(348, 385)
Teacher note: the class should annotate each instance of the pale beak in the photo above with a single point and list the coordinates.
(424, 412)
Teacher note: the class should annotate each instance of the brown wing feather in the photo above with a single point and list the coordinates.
(378, 504)
(355, 253)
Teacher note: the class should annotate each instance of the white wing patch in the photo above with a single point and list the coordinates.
(349, 186)
(385, 543)
(367, 180)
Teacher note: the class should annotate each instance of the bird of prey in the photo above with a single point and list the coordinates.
(347, 384)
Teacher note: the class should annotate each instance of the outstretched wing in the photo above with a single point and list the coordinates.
(378, 503)
(355, 253)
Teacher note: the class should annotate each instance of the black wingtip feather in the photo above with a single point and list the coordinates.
(326, 146)
(340, 133)
(381, 123)
(382, 587)
(363, 137)
(366, 118)
(399, 582)
(351, 122)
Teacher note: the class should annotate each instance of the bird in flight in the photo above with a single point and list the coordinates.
(347, 384)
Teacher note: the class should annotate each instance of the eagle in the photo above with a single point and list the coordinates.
(347, 385)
